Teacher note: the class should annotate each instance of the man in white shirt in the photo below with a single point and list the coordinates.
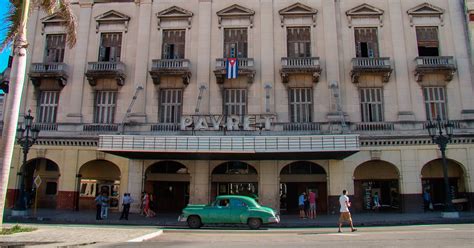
(345, 214)
(127, 200)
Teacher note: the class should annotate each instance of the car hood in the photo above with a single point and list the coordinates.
(268, 209)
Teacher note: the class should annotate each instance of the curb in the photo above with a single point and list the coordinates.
(146, 236)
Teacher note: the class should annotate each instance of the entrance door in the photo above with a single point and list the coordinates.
(170, 196)
(294, 190)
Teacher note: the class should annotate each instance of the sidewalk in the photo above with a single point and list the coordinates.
(52, 216)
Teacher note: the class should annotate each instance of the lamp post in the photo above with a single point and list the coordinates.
(26, 137)
(435, 130)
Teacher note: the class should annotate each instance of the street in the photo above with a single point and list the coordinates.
(461, 235)
(455, 235)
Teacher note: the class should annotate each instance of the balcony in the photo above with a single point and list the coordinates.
(96, 70)
(435, 65)
(309, 65)
(55, 71)
(378, 66)
(171, 67)
(246, 67)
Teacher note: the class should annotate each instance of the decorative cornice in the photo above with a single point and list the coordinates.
(235, 11)
(112, 16)
(297, 10)
(364, 11)
(174, 12)
(426, 9)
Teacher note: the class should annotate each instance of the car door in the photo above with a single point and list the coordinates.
(220, 211)
(237, 208)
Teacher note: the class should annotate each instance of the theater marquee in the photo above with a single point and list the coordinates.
(231, 122)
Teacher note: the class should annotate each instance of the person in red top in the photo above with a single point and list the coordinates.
(312, 204)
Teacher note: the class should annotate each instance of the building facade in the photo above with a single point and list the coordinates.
(329, 95)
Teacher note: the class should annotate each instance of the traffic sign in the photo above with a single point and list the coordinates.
(37, 181)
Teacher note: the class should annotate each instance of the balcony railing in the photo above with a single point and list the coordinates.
(98, 128)
(245, 66)
(380, 66)
(374, 126)
(107, 69)
(435, 64)
(307, 65)
(56, 71)
(177, 67)
(309, 126)
(164, 127)
(46, 126)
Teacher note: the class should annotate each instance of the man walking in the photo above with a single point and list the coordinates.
(127, 200)
(301, 200)
(345, 214)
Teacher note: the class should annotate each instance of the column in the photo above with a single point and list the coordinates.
(267, 60)
(68, 182)
(135, 182)
(199, 185)
(410, 182)
(138, 111)
(402, 74)
(77, 78)
(269, 184)
(461, 55)
(203, 59)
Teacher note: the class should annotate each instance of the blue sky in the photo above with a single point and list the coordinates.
(4, 6)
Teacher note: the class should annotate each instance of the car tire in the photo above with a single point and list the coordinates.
(254, 223)
(194, 221)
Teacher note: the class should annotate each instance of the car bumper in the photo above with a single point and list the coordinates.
(275, 219)
(182, 218)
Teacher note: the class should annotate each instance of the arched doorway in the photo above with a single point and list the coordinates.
(168, 183)
(379, 178)
(234, 178)
(299, 177)
(96, 177)
(48, 172)
(433, 182)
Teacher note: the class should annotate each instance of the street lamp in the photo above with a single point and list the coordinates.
(435, 130)
(26, 137)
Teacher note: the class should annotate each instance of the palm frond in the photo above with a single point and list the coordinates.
(12, 21)
(49, 6)
(70, 23)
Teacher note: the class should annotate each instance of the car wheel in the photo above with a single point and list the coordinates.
(255, 223)
(194, 222)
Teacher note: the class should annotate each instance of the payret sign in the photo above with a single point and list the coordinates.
(231, 122)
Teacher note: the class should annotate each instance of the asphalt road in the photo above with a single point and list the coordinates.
(459, 235)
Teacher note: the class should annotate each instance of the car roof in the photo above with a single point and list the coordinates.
(239, 197)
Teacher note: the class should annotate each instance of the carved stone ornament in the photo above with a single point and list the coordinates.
(426, 9)
(112, 16)
(297, 10)
(53, 19)
(364, 11)
(236, 11)
(174, 13)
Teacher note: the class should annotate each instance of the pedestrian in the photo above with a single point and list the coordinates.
(376, 201)
(147, 202)
(127, 200)
(301, 199)
(312, 204)
(98, 205)
(427, 200)
(104, 206)
(345, 214)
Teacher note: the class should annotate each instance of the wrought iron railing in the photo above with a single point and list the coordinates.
(309, 62)
(435, 61)
(106, 66)
(374, 126)
(48, 67)
(178, 64)
(100, 127)
(370, 63)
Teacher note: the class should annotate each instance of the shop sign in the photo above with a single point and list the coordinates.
(230, 122)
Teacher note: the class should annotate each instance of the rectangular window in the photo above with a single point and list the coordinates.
(235, 102)
(301, 104)
(171, 102)
(48, 106)
(110, 47)
(371, 104)
(235, 43)
(435, 102)
(173, 44)
(428, 43)
(299, 42)
(55, 46)
(366, 42)
(104, 106)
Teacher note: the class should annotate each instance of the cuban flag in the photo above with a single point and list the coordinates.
(232, 68)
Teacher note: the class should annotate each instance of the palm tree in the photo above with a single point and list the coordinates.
(16, 36)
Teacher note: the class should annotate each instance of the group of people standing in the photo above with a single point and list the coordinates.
(102, 203)
(307, 205)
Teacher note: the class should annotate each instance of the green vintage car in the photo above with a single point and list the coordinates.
(229, 209)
